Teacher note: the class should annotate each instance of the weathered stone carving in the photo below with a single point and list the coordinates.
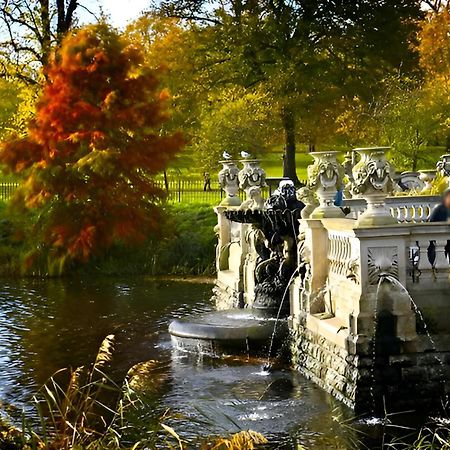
(308, 197)
(382, 261)
(443, 166)
(373, 180)
(325, 179)
(278, 257)
(254, 200)
(410, 181)
(427, 177)
(353, 270)
(229, 182)
(251, 175)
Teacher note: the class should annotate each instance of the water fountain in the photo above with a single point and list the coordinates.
(363, 297)
(271, 230)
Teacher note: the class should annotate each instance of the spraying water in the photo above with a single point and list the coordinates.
(391, 279)
(267, 367)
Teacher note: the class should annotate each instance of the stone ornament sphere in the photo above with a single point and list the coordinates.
(373, 181)
(251, 175)
(427, 177)
(325, 177)
(229, 182)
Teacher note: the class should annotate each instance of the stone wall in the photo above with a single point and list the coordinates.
(402, 382)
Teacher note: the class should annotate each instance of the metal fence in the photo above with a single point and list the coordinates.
(178, 190)
(7, 190)
(186, 190)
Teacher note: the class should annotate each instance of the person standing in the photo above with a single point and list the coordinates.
(441, 212)
(206, 181)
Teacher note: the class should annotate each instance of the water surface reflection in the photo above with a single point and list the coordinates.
(46, 325)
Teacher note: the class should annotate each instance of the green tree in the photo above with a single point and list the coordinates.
(301, 52)
(238, 120)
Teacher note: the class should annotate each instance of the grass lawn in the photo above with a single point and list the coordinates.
(272, 162)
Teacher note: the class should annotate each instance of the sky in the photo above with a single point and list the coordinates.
(119, 11)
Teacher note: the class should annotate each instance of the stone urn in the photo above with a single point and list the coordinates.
(251, 175)
(325, 179)
(427, 177)
(229, 182)
(410, 181)
(443, 167)
(373, 181)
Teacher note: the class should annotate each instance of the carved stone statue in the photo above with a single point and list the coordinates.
(373, 181)
(325, 179)
(229, 182)
(254, 200)
(427, 177)
(308, 197)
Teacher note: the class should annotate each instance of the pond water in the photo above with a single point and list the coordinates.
(46, 325)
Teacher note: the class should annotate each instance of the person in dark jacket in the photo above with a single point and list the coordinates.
(441, 212)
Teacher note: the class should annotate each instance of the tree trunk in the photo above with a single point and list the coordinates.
(288, 120)
(46, 36)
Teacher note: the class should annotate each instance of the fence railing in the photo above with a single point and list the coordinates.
(7, 190)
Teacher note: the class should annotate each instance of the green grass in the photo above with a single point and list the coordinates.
(186, 246)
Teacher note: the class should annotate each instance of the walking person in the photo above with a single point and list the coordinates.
(206, 181)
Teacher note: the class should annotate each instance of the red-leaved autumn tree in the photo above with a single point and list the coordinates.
(90, 154)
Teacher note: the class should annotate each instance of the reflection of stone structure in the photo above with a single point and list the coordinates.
(251, 175)
(373, 180)
(229, 182)
(325, 178)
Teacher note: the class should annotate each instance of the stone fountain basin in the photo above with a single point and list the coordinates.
(229, 331)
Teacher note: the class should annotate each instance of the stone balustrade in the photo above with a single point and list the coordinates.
(405, 209)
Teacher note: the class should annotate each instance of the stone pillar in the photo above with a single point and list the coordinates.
(316, 244)
(373, 181)
(325, 179)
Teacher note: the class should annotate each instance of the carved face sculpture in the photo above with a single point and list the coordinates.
(374, 172)
(328, 175)
(379, 173)
(255, 193)
(325, 173)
